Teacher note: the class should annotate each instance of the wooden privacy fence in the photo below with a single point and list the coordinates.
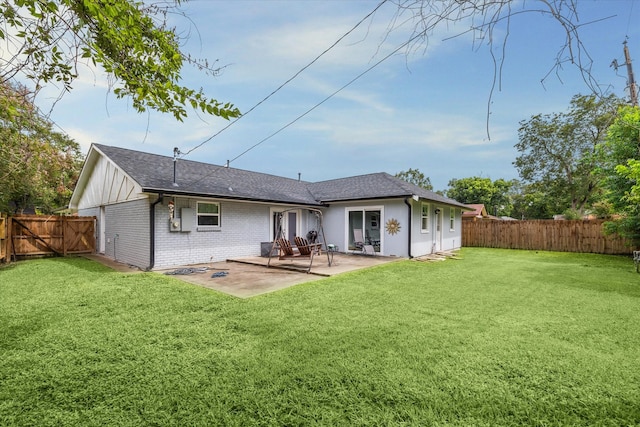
(3, 238)
(548, 235)
(29, 235)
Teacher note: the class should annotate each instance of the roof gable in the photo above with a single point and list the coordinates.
(478, 211)
(102, 182)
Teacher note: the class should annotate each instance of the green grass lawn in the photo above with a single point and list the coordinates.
(496, 338)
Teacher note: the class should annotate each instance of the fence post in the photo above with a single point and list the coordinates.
(3, 238)
(64, 235)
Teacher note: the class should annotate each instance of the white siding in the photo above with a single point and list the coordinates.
(107, 185)
(335, 225)
(436, 239)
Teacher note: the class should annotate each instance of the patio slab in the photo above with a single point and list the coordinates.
(248, 277)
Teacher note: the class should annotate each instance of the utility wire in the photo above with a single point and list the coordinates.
(289, 80)
(416, 36)
(629, 20)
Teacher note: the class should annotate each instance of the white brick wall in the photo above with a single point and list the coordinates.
(127, 232)
(243, 227)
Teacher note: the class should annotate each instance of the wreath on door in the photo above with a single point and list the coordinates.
(392, 226)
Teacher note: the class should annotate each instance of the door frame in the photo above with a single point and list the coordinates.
(288, 231)
(365, 227)
(102, 230)
(438, 229)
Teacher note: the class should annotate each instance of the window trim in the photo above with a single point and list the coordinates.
(218, 215)
(423, 216)
(452, 219)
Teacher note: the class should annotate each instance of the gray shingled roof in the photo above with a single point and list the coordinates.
(154, 173)
(373, 186)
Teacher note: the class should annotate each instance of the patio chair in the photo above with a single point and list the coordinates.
(305, 248)
(286, 251)
(360, 244)
(373, 242)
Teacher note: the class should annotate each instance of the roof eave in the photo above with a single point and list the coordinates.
(174, 192)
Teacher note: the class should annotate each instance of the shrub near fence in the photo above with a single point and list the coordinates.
(548, 235)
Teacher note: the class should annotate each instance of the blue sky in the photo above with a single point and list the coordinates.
(426, 110)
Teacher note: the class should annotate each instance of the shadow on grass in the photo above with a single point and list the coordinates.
(73, 261)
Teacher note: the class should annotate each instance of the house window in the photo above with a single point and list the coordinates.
(452, 219)
(424, 218)
(363, 228)
(208, 214)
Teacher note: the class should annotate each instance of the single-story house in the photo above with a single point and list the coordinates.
(158, 212)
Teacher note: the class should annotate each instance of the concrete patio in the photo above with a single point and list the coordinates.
(247, 277)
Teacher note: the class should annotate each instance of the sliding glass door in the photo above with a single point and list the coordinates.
(363, 228)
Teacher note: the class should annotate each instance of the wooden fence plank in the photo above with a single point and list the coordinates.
(550, 235)
(30, 235)
(3, 238)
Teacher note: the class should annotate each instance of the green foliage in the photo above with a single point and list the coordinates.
(500, 338)
(557, 152)
(495, 195)
(602, 209)
(631, 172)
(572, 214)
(414, 176)
(129, 39)
(530, 201)
(38, 166)
(620, 172)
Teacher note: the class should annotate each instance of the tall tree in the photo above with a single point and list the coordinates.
(38, 166)
(495, 195)
(530, 201)
(130, 39)
(557, 151)
(620, 170)
(414, 176)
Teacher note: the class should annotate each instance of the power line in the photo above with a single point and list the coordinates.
(402, 46)
(629, 20)
(289, 80)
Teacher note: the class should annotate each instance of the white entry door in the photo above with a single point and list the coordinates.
(438, 234)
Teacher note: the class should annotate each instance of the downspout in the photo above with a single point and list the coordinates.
(408, 203)
(152, 232)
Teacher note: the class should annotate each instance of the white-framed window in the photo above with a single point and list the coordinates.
(208, 214)
(424, 217)
(452, 219)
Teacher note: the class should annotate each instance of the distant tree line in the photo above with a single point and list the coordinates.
(585, 161)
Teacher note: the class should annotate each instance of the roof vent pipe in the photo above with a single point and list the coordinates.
(176, 151)
(299, 176)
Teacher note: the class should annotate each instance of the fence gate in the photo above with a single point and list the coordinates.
(32, 235)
